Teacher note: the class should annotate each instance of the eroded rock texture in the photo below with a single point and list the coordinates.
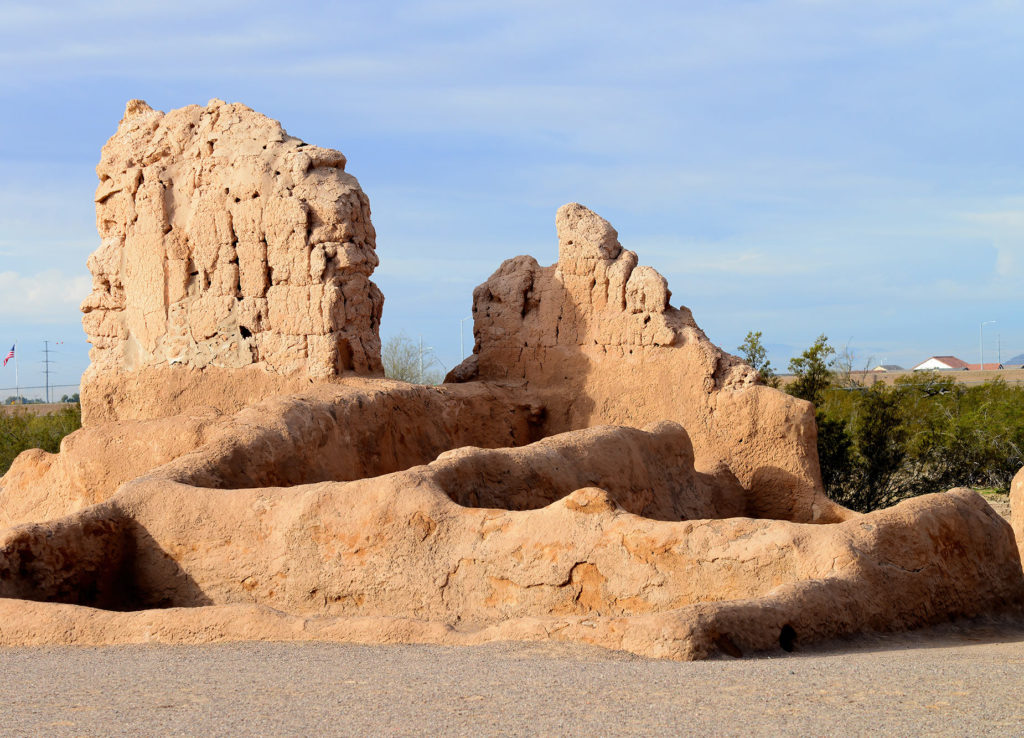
(600, 472)
(1017, 509)
(226, 245)
(554, 540)
(594, 336)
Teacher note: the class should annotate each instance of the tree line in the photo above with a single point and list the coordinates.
(880, 443)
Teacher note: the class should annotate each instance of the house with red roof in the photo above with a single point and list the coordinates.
(942, 364)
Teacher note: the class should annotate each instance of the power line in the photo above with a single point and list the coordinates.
(46, 367)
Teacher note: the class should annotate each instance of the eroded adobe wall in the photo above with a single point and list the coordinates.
(349, 429)
(1017, 510)
(367, 559)
(226, 245)
(595, 338)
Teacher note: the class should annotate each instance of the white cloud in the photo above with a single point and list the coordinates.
(1006, 229)
(46, 297)
(689, 258)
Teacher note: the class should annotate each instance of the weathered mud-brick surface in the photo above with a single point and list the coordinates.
(1017, 509)
(616, 480)
(595, 338)
(226, 244)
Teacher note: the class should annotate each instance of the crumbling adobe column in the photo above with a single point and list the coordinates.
(235, 263)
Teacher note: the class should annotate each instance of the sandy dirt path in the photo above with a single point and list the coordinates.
(952, 681)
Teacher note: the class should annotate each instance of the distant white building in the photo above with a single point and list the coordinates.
(942, 363)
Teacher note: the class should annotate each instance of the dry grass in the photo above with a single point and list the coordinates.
(999, 502)
(36, 409)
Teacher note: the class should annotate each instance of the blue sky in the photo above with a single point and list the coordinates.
(792, 166)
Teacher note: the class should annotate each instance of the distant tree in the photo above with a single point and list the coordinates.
(22, 400)
(70, 398)
(848, 371)
(755, 354)
(402, 360)
(813, 371)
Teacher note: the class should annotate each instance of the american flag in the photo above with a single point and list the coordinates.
(10, 355)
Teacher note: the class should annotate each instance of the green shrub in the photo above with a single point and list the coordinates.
(879, 444)
(20, 430)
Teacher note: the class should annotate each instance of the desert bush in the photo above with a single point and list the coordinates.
(927, 433)
(880, 444)
(21, 430)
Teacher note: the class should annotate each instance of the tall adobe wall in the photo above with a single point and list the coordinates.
(235, 263)
(595, 339)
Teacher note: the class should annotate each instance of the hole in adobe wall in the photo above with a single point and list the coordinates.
(345, 359)
(787, 637)
(246, 333)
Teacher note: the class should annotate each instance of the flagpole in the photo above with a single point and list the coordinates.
(17, 382)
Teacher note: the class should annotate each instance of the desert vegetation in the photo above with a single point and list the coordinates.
(879, 443)
(409, 361)
(21, 430)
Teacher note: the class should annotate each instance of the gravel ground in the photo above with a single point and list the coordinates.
(954, 681)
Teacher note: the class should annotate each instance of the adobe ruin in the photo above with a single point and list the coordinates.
(234, 263)
(597, 471)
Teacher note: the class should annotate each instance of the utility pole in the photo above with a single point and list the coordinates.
(46, 368)
(981, 344)
(422, 350)
(462, 347)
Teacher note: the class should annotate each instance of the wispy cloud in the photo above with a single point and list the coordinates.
(795, 166)
(750, 262)
(46, 297)
(1005, 227)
